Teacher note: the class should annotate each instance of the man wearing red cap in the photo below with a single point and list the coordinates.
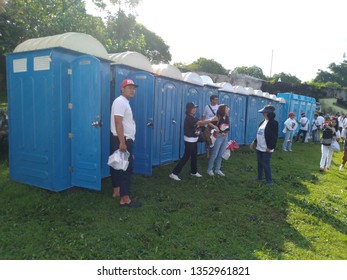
(123, 129)
(289, 127)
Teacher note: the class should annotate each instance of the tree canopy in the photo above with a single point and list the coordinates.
(21, 20)
(253, 71)
(286, 78)
(205, 65)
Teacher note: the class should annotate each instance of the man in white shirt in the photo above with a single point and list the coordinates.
(303, 129)
(209, 112)
(123, 129)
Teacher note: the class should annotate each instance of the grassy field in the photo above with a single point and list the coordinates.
(303, 216)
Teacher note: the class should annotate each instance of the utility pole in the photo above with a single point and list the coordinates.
(272, 56)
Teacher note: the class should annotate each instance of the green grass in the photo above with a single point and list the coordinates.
(303, 216)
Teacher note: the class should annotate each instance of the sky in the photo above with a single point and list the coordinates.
(297, 37)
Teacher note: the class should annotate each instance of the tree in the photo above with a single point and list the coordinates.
(125, 34)
(23, 20)
(337, 73)
(206, 65)
(286, 78)
(253, 71)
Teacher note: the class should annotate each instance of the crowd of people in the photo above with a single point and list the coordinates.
(214, 126)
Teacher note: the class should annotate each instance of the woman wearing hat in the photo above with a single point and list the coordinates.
(191, 135)
(266, 141)
(289, 127)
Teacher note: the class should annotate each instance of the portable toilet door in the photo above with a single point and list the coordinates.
(56, 93)
(86, 122)
(191, 92)
(167, 114)
(135, 66)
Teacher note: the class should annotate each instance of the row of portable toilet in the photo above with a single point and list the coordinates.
(60, 90)
(297, 104)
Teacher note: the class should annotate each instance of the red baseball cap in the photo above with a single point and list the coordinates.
(291, 114)
(128, 82)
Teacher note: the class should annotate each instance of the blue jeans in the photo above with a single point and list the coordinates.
(263, 159)
(217, 151)
(288, 139)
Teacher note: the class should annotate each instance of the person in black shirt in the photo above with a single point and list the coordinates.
(192, 130)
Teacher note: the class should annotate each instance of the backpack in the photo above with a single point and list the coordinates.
(327, 137)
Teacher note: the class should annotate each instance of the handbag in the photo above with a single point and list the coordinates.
(199, 131)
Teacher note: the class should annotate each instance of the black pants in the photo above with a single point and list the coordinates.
(304, 132)
(122, 178)
(190, 151)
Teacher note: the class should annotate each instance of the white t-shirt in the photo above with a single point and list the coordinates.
(320, 120)
(304, 123)
(290, 124)
(207, 114)
(261, 142)
(121, 107)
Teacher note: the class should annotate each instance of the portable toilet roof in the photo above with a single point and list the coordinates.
(280, 99)
(240, 89)
(249, 91)
(192, 78)
(132, 59)
(79, 42)
(258, 92)
(225, 86)
(167, 70)
(208, 81)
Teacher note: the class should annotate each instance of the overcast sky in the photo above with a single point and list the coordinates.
(296, 37)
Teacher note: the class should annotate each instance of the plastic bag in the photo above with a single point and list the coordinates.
(226, 155)
(335, 146)
(119, 160)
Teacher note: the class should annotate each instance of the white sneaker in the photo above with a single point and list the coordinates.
(341, 168)
(175, 177)
(197, 174)
(220, 173)
(210, 172)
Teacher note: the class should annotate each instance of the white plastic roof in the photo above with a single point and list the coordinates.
(281, 100)
(167, 70)
(240, 89)
(79, 42)
(225, 86)
(192, 78)
(258, 92)
(132, 59)
(249, 91)
(207, 80)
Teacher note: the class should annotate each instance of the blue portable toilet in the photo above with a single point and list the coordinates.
(237, 103)
(297, 104)
(135, 66)
(281, 115)
(167, 114)
(59, 100)
(192, 91)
